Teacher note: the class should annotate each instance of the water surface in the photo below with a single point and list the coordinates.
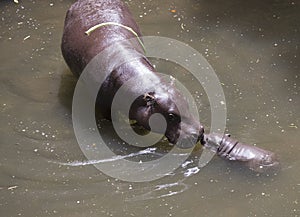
(253, 47)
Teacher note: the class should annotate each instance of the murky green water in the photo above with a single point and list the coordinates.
(254, 48)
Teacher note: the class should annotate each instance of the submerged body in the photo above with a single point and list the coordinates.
(256, 159)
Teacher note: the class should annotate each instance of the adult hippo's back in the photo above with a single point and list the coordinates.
(79, 49)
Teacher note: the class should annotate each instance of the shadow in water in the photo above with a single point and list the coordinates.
(66, 89)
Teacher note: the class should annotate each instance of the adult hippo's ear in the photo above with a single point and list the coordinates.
(149, 98)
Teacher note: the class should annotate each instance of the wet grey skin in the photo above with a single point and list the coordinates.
(79, 49)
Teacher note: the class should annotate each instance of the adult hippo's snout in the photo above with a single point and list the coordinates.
(186, 134)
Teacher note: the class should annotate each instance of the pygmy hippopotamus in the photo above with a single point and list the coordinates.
(79, 49)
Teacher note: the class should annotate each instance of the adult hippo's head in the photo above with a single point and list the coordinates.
(135, 86)
(181, 129)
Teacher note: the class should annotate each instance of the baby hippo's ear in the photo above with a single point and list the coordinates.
(149, 98)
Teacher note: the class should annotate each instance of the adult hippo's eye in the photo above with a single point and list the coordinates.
(173, 117)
